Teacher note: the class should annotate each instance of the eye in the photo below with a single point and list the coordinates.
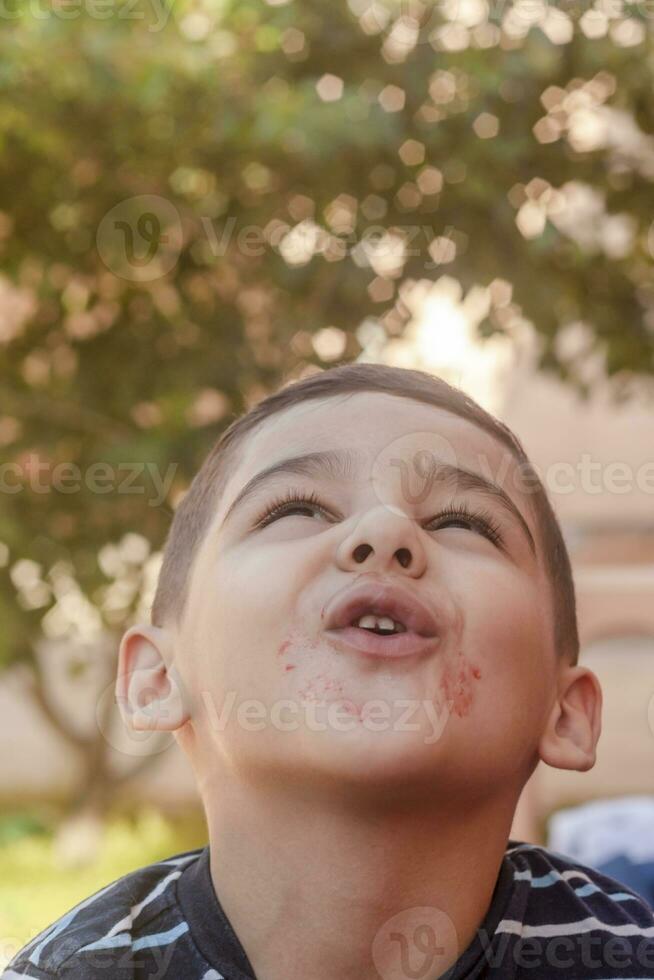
(472, 520)
(293, 501)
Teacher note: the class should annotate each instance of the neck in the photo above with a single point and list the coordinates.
(311, 883)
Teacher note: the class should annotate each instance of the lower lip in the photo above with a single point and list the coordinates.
(373, 645)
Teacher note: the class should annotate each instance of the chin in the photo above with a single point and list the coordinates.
(361, 760)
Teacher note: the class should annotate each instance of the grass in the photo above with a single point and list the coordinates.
(38, 883)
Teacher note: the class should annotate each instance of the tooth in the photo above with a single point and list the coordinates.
(371, 621)
(367, 622)
(385, 623)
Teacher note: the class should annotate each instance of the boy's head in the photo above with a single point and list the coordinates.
(402, 480)
(200, 504)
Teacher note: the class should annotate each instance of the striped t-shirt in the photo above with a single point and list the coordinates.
(549, 917)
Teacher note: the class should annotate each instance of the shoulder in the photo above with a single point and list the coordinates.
(111, 920)
(554, 875)
(558, 900)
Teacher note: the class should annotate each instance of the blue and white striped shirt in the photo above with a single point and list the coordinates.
(549, 917)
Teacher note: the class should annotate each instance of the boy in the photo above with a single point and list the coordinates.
(364, 637)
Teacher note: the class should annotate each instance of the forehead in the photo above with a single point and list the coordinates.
(390, 434)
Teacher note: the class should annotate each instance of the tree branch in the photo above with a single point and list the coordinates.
(36, 689)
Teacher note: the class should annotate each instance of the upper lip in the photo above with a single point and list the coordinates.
(382, 599)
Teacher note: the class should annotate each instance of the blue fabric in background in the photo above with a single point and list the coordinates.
(638, 877)
(615, 836)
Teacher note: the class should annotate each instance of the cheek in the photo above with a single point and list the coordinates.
(297, 647)
(252, 595)
(458, 684)
(241, 605)
(301, 652)
(504, 650)
(313, 683)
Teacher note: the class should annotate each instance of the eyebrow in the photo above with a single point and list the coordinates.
(343, 464)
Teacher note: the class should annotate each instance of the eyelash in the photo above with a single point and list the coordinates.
(481, 520)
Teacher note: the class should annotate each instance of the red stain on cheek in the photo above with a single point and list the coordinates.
(298, 643)
(324, 689)
(321, 688)
(351, 708)
(457, 684)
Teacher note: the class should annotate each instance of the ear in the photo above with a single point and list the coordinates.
(148, 689)
(574, 724)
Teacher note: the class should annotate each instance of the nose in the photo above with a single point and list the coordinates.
(381, 538)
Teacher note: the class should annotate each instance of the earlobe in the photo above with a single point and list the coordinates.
(148, 690)
(574, 724)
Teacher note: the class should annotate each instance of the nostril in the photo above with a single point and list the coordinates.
(404, 557)
(361, 552)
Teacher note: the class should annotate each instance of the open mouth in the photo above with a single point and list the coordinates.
(380, 642)
(380, 625)
(382, 619)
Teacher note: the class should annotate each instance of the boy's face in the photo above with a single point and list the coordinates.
(267, 687)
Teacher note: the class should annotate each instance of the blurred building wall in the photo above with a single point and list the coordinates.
(608, 522)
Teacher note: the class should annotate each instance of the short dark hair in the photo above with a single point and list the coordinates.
(199, 504)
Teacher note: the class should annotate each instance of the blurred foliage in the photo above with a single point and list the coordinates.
(201, 200)
(15, 826)
(37, 886)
